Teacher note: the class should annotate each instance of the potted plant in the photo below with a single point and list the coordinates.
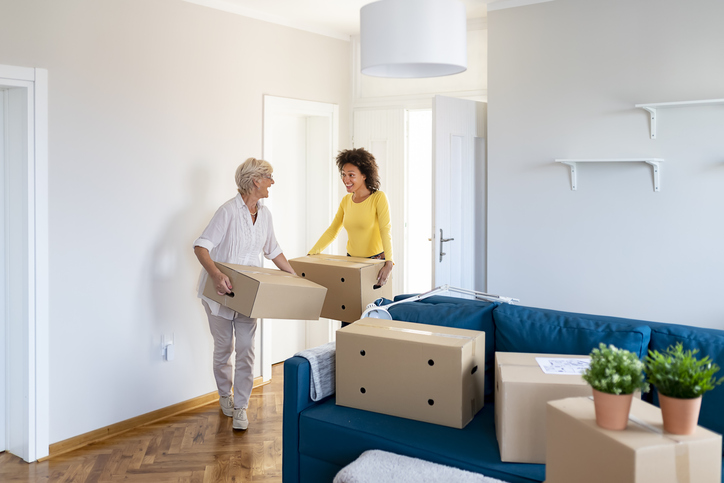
(681, 380)
(614, 374)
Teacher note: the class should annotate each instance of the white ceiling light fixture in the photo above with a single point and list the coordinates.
(413, 38)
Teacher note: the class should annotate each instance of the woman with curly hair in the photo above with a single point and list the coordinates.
(363, 212)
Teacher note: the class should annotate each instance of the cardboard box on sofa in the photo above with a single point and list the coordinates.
(579, 450)
(268, 293)
(417, 371)
(522, 390)
(350, 283)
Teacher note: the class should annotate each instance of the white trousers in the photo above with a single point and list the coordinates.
(223, 331)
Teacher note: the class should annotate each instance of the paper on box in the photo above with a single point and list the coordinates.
(579, 450)
(416, 371)
(268, 293)
(350, 283)
(522, 390)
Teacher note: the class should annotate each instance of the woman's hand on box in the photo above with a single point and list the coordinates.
(222, 283)
(384, 273)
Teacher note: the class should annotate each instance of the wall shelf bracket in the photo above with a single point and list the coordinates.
(655, 166)
(652, 113)
(574, 168)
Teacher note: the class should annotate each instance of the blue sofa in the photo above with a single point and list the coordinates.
(320, 438)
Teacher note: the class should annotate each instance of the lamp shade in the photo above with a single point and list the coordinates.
(413, 38)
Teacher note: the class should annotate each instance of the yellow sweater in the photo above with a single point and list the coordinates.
(368, 227)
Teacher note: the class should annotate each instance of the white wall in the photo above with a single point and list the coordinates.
(563, 80)
(152, 107)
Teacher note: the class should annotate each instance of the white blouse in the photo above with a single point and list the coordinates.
(231, 237)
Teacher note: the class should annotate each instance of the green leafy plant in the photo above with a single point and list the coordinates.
(678, 373)
(615, 371)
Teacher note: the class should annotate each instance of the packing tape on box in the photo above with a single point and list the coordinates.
(681, 451)
(682, 465)
(281, 274)
(420, 332)
(349, 261)
(416, 331)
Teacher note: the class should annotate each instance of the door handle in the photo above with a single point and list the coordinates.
(443, 240)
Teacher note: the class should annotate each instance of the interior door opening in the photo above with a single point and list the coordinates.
(418, 201)
(300, 141)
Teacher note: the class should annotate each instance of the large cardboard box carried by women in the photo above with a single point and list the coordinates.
(268, 293)
(425, 372)
(579, 450)
(350, 283)
(522, 389)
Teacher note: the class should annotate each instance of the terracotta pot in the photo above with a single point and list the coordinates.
(681, 416)
(612, 410)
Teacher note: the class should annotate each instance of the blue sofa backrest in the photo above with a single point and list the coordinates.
(526, 329)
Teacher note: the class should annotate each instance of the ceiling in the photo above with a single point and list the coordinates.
(334, 18)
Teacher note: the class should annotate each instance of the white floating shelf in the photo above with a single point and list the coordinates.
(651, 108)
(573, 163)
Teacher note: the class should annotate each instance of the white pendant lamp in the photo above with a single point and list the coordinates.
(413, 38)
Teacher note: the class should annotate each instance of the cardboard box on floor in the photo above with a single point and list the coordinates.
(425, 372)
(268, 293)
(580, 451)
(522, 390)
(350, 283)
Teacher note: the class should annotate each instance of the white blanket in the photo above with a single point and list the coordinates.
(376, 466)
(322, 366)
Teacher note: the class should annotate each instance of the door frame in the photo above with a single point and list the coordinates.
(284, 106)
(30, 363)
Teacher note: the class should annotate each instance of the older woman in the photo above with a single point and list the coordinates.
(238, 233)
(363, 212)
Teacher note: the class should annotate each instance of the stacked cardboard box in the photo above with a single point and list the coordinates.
(268, 293)
(351, 283)
(416, 371)
(578, 450)
(522, 390)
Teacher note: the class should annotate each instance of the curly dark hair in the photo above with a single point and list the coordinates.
(365, 162)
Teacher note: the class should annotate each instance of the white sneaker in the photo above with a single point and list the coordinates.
(240, 419)
(227, 405)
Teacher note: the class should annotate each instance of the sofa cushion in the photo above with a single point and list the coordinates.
(525, 329)
(458, 313)
(338, 435)
(710, 342)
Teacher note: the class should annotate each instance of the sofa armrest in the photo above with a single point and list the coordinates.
(296, 400)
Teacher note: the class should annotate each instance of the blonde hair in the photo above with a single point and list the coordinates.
(250, 170)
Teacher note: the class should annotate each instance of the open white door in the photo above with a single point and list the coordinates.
(300, 141)
(25, 266)
(459, 196)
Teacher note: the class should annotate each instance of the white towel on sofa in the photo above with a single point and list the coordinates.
(322, 366)
(376, 466)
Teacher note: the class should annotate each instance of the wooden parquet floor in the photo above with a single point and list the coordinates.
(194, 447)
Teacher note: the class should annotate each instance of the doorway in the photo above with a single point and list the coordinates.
(300, 141)
(418, 202)
(24, 285)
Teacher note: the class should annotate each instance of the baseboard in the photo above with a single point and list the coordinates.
(81, 440)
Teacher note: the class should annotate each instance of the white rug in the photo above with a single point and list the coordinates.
(376, 466)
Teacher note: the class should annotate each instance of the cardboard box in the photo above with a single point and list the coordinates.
(268, 293)
(522, 390)
(579, 450)
(416, 371)
(350, 283)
